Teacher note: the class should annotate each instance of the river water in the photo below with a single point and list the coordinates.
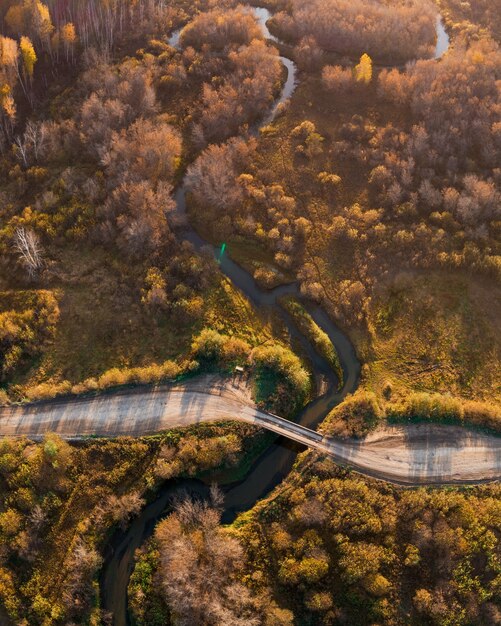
(443, 41)
(276, 462)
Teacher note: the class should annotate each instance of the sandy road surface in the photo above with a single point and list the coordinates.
(414, 454)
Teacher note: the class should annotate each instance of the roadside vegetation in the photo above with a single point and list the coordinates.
(278, 378)
(280, 381)
(363, 411)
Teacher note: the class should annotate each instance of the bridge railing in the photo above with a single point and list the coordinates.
(289, 426)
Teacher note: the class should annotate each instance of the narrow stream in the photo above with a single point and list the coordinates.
(443, 40)
(274, 464)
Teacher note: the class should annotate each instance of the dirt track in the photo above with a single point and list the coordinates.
(414, 454)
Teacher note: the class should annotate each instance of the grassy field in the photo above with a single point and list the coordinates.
(436, 332)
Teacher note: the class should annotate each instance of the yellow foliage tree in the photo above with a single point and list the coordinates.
(69, 38)
(29, 55)
(7, 102)
(8, 60)
(363, 71)
(8, 591)
(477, 57)
(40, 20)
(15, 18)
(68, 34)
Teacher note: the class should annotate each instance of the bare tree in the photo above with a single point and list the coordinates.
(201, 566)
(358, 26)
(123, 508)
(30, 146)
(27, 243)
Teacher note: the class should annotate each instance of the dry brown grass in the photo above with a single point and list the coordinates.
(436, 332)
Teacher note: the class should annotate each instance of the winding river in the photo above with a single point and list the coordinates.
(274, 464)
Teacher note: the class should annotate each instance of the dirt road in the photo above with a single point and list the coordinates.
(413, 454)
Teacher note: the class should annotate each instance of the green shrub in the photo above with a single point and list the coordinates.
(354, 417)
(212, 348)
(208, 345)
(145, 601)
(282, 383)
(435, 407)
(319, 338)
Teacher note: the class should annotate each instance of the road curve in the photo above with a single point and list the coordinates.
(411, 455)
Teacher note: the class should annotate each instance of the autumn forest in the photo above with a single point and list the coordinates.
(288, 210)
